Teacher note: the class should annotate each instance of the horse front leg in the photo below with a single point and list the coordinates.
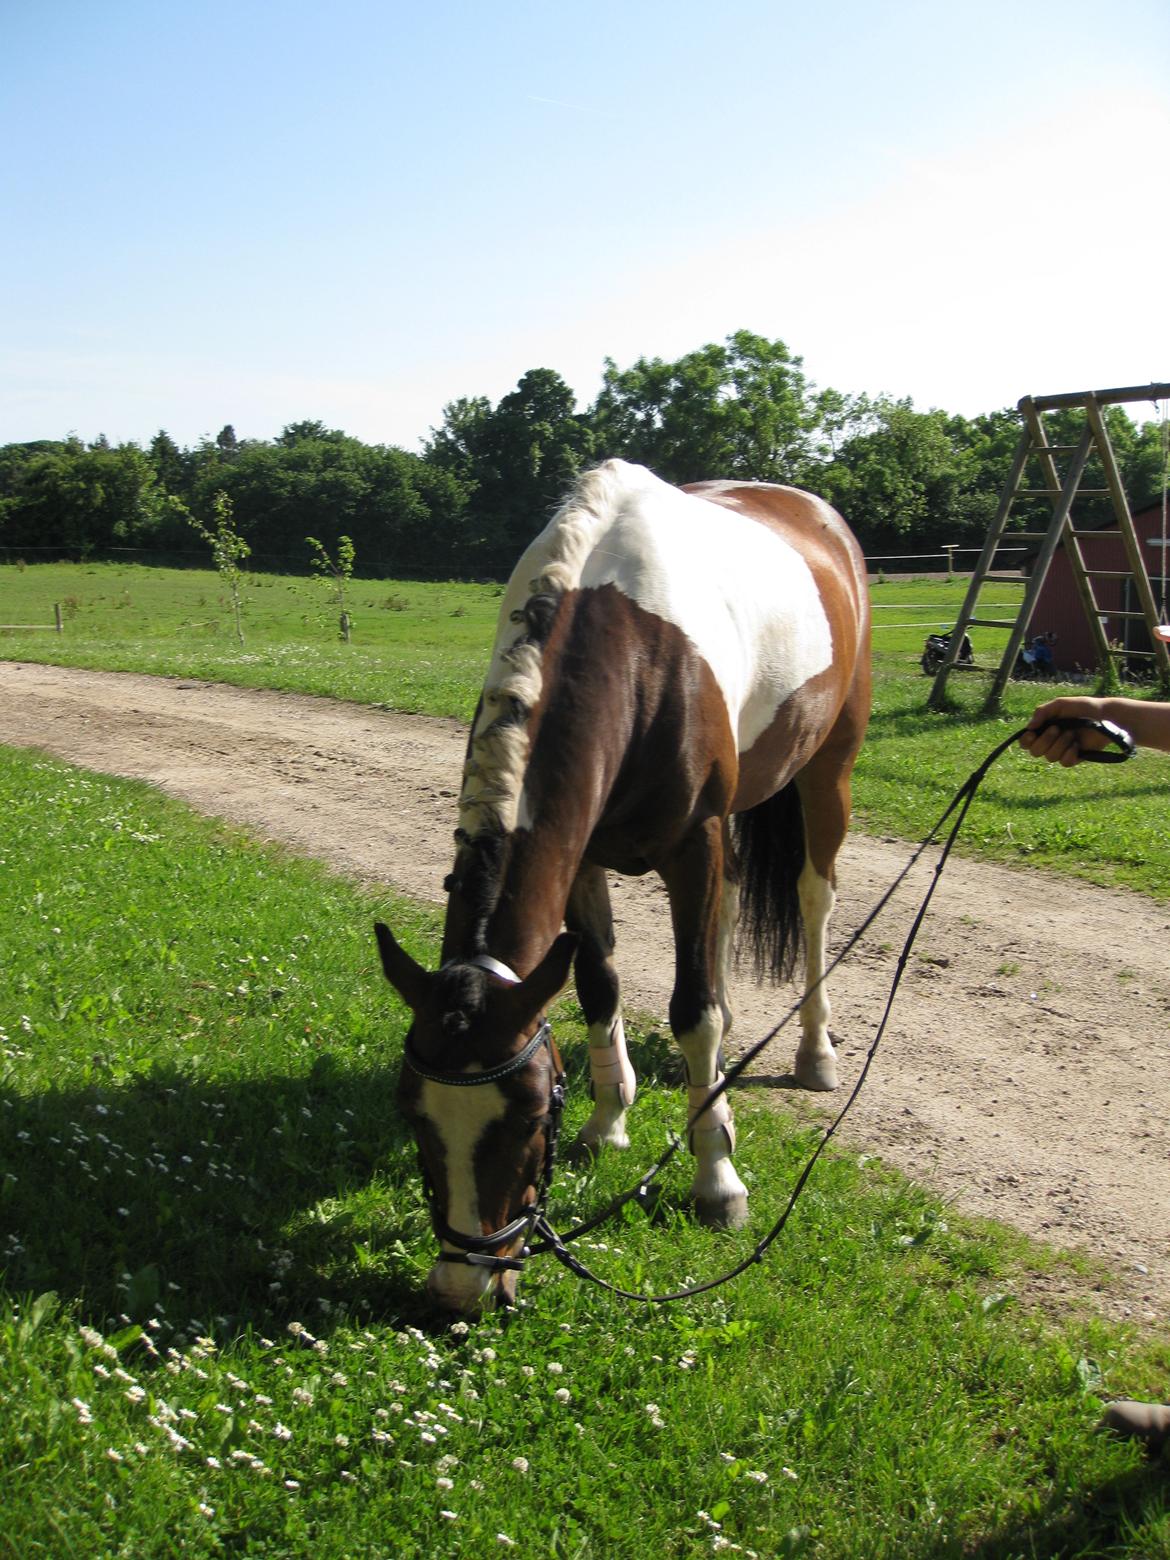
(588, 913)
(694, 881)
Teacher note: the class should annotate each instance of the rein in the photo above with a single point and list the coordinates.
(479, 1249)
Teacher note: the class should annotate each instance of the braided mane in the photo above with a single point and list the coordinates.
(497, 756)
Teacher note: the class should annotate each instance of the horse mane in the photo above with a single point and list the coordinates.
(497, 755)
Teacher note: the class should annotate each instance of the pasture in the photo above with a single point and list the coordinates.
(213, 1237)
(423, 648)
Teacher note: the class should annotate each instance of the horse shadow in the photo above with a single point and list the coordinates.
(253, 1200)
(1097, 1519)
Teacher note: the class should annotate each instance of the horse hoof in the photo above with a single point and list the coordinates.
(722, 1213)
(586, 1151)
(816, 1072)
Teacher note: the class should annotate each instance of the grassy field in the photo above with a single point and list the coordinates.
(210, 1338)
(421, 647)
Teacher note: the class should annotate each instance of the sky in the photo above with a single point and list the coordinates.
(256, 213)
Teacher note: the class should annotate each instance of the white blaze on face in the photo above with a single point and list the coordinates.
(460, 1116)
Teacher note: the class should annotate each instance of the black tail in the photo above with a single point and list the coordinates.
(769, 847)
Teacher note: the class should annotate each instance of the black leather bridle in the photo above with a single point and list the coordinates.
(482, 1250)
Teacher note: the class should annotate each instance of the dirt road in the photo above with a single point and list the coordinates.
(1024, 1075)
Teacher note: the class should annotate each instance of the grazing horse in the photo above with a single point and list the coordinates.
(667, 660)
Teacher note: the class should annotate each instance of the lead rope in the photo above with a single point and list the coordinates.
(558, 1244)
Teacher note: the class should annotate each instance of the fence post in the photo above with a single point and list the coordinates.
(345, 627)
(949, 549)
(57, 614)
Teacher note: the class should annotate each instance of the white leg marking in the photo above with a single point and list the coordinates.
(816, 1061)
(614, 1086)
(720, 1197)
(460, 1116)
(725, 950)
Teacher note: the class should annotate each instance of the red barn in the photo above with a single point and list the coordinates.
(1058, 607)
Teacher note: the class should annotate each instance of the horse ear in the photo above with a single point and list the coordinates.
(408, 978)
(537, 990)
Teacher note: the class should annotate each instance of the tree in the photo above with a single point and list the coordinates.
(515, 461)
(228, 551)
(335, 574)
(741, 409)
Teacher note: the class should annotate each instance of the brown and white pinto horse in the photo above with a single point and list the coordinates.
(666, 659)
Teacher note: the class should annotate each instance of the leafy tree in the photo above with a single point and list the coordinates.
(515, 460)
(335, 574)
(741, 409)
(169, 464)
(228, 551)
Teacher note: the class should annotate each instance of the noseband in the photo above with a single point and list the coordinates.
(480, 1250)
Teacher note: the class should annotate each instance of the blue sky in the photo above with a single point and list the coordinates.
(254, 213)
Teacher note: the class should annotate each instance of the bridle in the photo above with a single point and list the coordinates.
(481, 1250)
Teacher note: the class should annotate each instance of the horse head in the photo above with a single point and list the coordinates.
(481, 1089)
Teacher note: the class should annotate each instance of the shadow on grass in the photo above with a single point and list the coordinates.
(255, 1199)
(1124, 1517)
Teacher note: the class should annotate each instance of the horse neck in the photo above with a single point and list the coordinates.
(537, 865)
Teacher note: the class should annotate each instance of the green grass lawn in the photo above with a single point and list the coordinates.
(211, 1341)
(421, 647)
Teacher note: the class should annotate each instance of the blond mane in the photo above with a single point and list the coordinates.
(493, 775)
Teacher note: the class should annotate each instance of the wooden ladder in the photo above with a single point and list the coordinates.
(1061, 493)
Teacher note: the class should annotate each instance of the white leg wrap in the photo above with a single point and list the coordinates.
(717, 1119)
(609, 1067)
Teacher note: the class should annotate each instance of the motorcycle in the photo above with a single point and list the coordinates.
(934, 652)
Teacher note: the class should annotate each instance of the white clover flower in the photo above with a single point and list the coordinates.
(562, 1394)
(756, 1475)
(555, 1368)
(113, 1455)
(449, 1516)
(508, 1543)
(281, 1432)
(206, 1510)
(444, 1484)
(520, 1464)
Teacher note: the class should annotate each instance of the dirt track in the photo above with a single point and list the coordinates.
(1024, 1075)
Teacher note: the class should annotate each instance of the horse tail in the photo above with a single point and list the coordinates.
(769, 849)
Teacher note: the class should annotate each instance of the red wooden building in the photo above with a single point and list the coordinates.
(1058, 607)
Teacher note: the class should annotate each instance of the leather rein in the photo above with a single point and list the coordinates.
(481, 1250)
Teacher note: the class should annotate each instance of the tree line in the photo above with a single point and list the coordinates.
(488, 477)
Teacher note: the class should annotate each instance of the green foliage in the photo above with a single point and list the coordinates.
(335, 574)
(489, 476)
(212, 1236)
(228, 551)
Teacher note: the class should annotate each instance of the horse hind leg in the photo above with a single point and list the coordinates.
(825, 802)
(588, 914)
(816, 1060)
(699, 1017)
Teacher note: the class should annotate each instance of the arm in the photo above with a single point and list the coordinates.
(1148, 723)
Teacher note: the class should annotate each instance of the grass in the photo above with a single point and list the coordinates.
(210, 1338)
(423, 648)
